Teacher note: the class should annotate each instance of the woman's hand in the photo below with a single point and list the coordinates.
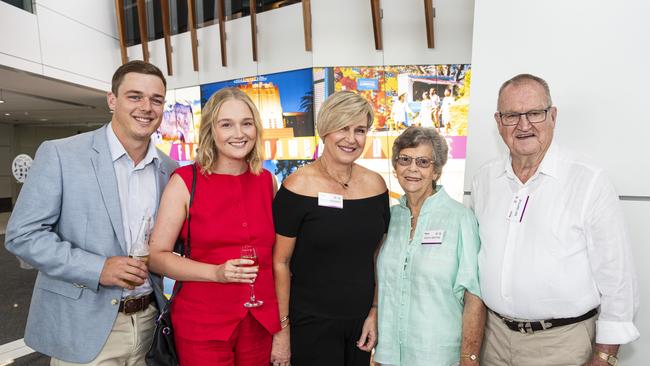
(237, 270)
(368, 338)
(281, 350)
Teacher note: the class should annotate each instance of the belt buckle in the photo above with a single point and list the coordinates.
(128, 301)
(525, 327)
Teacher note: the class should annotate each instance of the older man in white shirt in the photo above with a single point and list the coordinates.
(555, 251)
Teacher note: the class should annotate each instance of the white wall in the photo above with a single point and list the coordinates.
(405, 40)
(342, 34)
(19, 46)
(595, 58)
(73, 49)
(72, 40)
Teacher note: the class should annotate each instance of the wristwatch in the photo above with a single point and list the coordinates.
(610, 359)
(470, 356)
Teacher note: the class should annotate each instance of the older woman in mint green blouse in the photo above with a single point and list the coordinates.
(430, 312)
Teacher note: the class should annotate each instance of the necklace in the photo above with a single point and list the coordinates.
(343, 184)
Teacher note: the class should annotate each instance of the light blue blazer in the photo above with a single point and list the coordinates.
(66, 222)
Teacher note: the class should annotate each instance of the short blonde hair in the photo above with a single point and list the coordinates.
(207, 152)
(340, 109)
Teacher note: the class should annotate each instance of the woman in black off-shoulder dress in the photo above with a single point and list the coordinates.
(330, 218)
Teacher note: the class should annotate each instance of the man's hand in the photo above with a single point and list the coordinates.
(610, 349)
(118, 270)
(368, 338)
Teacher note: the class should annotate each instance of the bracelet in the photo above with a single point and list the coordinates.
(610, 359)
(469, 356)
(282, 326)
(284, 319)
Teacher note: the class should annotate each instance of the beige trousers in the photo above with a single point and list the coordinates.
(562, 346)
(128, 342)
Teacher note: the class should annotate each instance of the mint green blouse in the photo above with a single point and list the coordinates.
(422, 283)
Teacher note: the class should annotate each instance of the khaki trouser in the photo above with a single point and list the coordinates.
(128, 342)
(561, 346)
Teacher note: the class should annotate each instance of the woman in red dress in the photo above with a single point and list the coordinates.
(231, 208)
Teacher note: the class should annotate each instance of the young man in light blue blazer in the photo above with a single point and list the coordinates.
(75, 221)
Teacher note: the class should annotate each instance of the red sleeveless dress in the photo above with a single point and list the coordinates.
(227, 212)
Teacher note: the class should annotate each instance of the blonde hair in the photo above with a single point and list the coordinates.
(207, 152)
(340, 110)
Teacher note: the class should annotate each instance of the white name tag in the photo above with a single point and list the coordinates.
(330, 200)
(518, 207)
(433, 237)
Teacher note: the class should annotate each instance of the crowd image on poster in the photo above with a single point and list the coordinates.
(178, 134)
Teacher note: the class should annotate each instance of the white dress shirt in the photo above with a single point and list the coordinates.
(564, 251)
(138, 192)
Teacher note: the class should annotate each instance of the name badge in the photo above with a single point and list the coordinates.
(433, 237)
(330, 200)
(518, 207)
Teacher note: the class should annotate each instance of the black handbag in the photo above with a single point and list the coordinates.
(163, 347)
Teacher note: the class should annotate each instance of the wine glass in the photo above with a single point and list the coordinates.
(248, 252)
(140, 246)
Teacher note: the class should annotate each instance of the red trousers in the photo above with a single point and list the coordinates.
(249, 345)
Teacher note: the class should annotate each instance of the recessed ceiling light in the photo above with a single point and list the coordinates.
(7, 114)
(43, 119)
(1, 101)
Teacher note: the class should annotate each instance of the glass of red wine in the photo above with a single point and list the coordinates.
(248, 252)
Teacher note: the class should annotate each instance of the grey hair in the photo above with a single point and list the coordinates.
(416, 136)
(523, 78)
(340, 110)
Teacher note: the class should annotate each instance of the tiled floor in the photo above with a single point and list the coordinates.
(15, 294)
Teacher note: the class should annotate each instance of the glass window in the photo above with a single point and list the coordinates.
(207, 13)
(22, 4)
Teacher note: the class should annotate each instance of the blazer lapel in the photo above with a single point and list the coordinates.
(105, 174)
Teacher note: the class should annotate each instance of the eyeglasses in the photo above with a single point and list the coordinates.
(420, 161)
(534, 116)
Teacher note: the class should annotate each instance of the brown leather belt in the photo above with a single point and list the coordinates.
(132, 305)
(524, 326)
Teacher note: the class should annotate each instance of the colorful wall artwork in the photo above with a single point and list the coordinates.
(435, 96)
(178, 133)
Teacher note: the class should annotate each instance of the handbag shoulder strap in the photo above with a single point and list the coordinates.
(187, 238)
(189, 216)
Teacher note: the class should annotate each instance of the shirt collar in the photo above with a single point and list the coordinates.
(548, 166)
(429, 202)
(118, 151)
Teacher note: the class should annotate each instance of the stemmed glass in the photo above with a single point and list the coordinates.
(140, 246)
(248, 252)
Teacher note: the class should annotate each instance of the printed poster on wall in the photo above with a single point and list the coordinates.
(435, 96)
(178, 134)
